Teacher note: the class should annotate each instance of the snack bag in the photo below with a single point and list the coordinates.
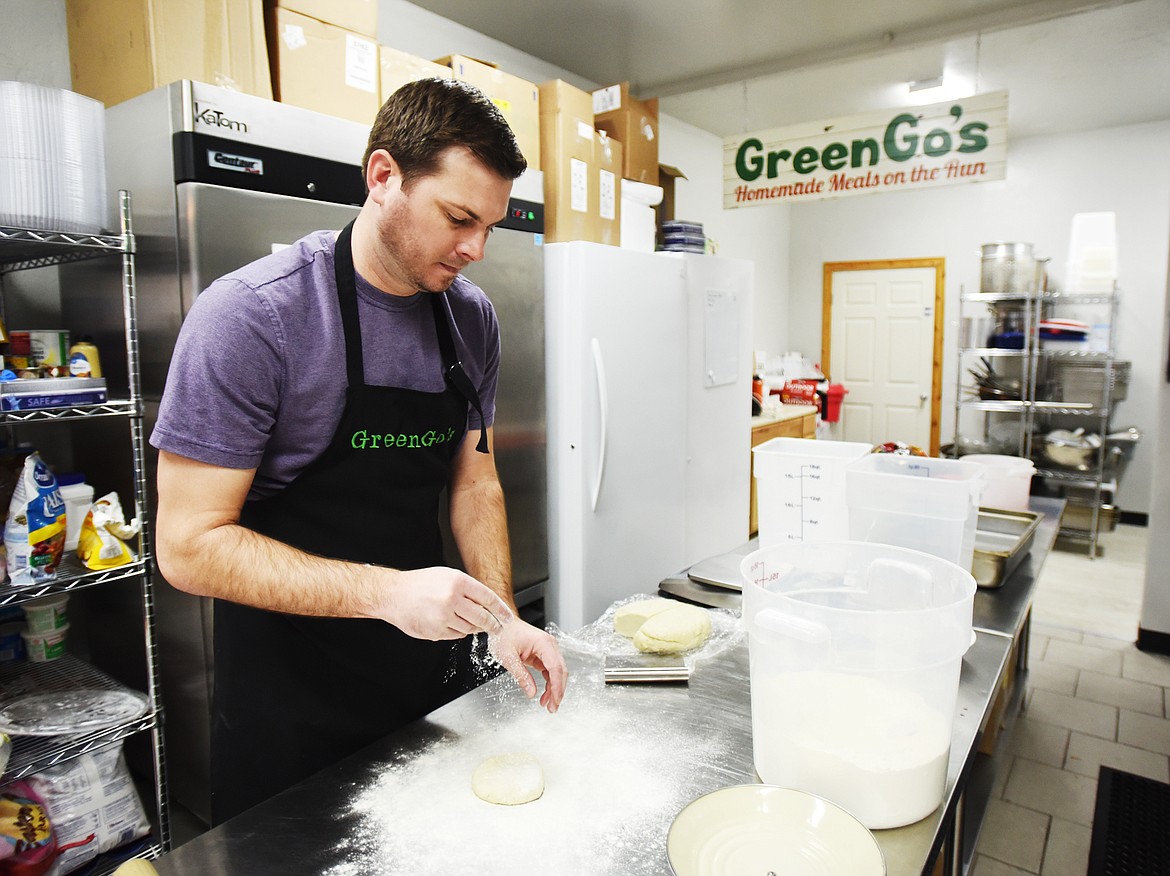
(28, 844)
(34, 535)
(104, 532)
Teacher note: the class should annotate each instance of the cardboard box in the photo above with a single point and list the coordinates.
(570, 170)
(398, 68)
(518, 99)
(608, 155)
(634, 124)
(119, 49)
(360, 16)
(664, 211)
(323, 67)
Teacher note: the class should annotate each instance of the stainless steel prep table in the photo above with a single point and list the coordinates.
(300, 831)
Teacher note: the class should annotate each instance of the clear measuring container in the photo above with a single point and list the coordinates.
(800, 488)
(855, 655)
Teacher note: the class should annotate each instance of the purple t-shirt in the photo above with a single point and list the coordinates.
(257, 379)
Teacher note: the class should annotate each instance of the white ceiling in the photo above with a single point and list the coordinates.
(728, 66)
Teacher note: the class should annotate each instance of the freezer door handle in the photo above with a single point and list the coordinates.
(603, 405)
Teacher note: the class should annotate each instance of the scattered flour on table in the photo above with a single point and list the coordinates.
(614, 780)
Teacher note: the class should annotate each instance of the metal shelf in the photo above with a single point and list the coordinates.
(994, 352)
(998, 297)
(1080, 297)
(33, 754)
(1002, 407)
(112, 408)
(28, 248)
(1030, 367)
(71, 576)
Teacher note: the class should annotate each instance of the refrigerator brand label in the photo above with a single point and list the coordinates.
(213, 118)
(238, 163)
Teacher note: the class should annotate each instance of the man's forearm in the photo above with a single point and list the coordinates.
(479, 523)
(234, 563)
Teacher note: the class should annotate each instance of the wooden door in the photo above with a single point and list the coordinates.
(882, 328)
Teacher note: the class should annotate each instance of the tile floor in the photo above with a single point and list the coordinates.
(1091, 699)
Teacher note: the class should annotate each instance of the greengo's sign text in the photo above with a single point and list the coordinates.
(952, 142)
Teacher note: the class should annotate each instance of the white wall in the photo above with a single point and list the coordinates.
(1049, 179)
(1155, 614)
(759, 235)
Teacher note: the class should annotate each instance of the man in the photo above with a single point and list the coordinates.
(318, 403)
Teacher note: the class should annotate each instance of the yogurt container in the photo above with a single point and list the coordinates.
(44, 647)
(46, 615)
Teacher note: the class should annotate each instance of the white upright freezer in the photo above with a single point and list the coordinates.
(649, 410)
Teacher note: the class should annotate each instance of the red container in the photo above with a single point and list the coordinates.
(833, 396)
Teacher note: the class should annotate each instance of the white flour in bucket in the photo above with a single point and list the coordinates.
(877, 750)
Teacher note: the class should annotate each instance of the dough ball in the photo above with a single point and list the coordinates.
(508, 779)
(629, 617)
(679, 629)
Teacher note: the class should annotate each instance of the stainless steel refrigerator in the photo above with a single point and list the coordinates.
(219, 179)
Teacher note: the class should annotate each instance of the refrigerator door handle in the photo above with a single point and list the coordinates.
(603, 404)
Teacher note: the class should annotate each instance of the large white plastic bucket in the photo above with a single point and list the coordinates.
(800, 488)
(917, 502)
(855, 652)
(1007, 480)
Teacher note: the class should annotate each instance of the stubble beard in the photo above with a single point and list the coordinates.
(402, 255)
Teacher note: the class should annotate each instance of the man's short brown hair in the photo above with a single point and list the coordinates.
(423, 119)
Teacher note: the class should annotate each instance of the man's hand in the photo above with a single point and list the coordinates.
(520, 645)
(441, 603)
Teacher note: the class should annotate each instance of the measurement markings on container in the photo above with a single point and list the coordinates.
(809, 498)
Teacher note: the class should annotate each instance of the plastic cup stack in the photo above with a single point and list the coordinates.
(52, 159)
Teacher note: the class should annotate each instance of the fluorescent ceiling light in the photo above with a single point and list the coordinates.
(926, 84)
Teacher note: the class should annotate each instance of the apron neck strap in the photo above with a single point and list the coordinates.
(453, 372)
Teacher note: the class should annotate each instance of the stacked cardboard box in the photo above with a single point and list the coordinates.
(119, 49)
(582, 181)
(518, 100)
(359, 16)
(634, 124)
(400, 67)
(322, 66)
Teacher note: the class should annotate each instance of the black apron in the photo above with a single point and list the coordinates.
(294, 694)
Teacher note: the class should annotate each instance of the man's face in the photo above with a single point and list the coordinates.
(435, 226)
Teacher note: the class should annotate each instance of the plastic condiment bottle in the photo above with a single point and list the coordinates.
(83, 358)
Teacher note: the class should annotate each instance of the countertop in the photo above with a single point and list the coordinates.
(619, 760)
(782, 413)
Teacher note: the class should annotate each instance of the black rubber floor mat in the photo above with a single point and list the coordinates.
(1131, 826)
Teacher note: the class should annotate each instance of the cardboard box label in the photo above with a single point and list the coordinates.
(607, 99)
(607, 184)
(294, 37)
(361, 63)
(579, 176)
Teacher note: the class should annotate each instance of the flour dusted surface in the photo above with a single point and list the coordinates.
(615, 775)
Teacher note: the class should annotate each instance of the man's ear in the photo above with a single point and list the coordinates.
(382, 174)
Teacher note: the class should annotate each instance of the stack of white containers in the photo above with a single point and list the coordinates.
(52, 159)
(823, 491)
(1092, 253)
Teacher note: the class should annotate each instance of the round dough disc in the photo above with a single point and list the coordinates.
(508, 779)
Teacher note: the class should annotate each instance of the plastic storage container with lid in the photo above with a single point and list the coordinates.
(855, 653)
(1008, 480)
(800, 488)
(917, 502)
